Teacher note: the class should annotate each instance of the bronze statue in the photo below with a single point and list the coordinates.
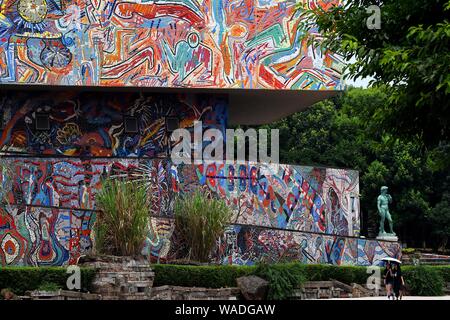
(383, 209)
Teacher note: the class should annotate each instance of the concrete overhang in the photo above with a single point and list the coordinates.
(246, 106)
(255, 107)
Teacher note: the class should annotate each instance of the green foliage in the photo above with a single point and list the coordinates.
(225, 276)
(444, 272)
(439, 216)
(199, 276)
(345, 274)
(408, 250)
(122, 225)
(424, 280)
(342, 132)
(405, 127)
(49, 286)
(409, 52)
(200, 221)
(282, 282)
(283, 278)
(21, 279)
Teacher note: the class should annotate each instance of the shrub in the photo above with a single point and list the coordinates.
(49, 286)
(200, 221)
(21, 279)
(285, 277)
(408, 250)
(444, 271)
(282, 282)
(122, 224)
(199, 276)
(423, 280)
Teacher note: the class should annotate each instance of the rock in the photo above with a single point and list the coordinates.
(253, 287)
(8, 294)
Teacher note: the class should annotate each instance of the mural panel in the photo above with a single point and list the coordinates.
(247, 245)
(284, 196)
(278, 196)
(166, 43)
(38, 236)
(50, 219)
(92, 125)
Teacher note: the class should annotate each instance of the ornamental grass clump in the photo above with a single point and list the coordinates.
(200, 221)
(122, 224)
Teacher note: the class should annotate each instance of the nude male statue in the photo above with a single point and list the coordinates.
(383, 209)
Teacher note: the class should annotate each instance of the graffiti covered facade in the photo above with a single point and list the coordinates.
(178, 43)
(50, 176)
(280, 211)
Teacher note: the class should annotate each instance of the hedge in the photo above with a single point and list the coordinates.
(424, 280)
(21, 279)
(199, 276)
(225, 276)
(444, 271)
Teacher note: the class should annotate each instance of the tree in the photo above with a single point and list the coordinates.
(439, 216)
(341, 132)
(409, 52)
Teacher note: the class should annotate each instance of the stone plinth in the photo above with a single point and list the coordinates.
(121, 278)
(388, 237)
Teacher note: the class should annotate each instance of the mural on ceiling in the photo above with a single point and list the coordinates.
(165, 43)
(89, 124)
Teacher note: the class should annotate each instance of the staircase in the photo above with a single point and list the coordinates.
(426, 259)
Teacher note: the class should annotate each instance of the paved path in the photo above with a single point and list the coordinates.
(404, 298)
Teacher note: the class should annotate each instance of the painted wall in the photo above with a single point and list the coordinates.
(50, 219)
(299, 212)
(246, 245)
(91, 124)
(176, 43)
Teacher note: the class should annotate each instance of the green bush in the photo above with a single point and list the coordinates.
(200, 221)
(408, 250)
(49, 286)
(122, 224)
(282, 281)
(199, 276)
(225, 276)
(21, 279)
(444, 271)
(284, 277)
(423, 280)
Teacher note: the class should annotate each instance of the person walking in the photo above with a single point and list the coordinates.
(388, 280)
(398, 282)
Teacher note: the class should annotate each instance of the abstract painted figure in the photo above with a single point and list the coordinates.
(383, 209)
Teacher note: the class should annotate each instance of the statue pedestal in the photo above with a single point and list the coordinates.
(387, 237)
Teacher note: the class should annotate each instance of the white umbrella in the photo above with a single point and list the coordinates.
(391, 259)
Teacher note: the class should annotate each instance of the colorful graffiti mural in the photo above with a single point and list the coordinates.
(50, 216)
(281, 212)
(278, 196)
(89, 124)
(285, 196)
(39, 236)
(166, 43)
(247, 245)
